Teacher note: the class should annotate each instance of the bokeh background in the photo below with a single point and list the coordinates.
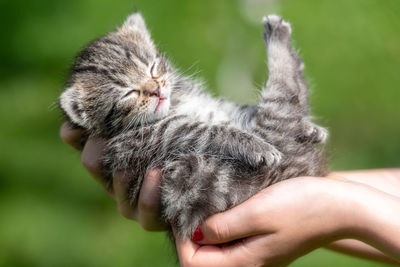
(53, 214)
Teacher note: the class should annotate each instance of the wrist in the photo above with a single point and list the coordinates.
(378, 223)
(364, 213)
(341, 212)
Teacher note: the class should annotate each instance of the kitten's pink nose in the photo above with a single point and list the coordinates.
(151, 88)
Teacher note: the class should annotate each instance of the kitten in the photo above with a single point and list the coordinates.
(214, 154)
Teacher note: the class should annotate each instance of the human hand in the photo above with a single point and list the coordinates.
(272, 228)
(290, 219)
(147, 210)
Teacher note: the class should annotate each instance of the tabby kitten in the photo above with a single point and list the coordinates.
(214, 154)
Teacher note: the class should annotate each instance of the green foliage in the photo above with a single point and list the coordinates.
(54, 214)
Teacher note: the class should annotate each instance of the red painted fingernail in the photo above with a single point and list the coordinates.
(197, 234)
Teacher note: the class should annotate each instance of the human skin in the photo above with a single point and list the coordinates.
(282, 223)
(268, 223)
(147, 211)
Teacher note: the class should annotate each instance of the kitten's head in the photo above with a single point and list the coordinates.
(119, 81)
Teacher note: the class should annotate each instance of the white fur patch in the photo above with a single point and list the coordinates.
(205, 106)
(67, 98)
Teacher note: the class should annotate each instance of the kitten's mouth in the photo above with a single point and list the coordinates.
(160, 101)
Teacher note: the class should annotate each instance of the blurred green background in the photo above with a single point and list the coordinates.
(53, 214)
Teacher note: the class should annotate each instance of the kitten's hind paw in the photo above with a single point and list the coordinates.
(312, 133)
(318, 135)
(276, 29)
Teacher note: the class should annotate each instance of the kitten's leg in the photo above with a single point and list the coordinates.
(285, 98)
(196, 186)
(312, 133)
(180, 136)
(231, 143)
(177, 136)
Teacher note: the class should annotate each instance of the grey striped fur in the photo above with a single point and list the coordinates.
(214, 154)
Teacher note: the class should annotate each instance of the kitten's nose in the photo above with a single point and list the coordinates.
(151, 88)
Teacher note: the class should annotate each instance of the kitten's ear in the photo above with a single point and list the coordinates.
(135, 22)
(71, 103)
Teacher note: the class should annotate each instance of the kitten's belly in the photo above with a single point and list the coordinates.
(205, 110)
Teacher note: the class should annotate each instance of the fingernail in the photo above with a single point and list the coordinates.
(197, 234)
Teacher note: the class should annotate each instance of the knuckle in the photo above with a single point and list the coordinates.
(256, 218)
(92, 164)
(147, 226)
(218, 230)
(147, 206)
(64, 135)
(153, 175)
(72, 136)
(124, 210)
(186, 261)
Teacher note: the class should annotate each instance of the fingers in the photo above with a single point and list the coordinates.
(192, 254)
(147, 211)
(247, 252)
(149, 202)
(91, 150)
(74, 137)
(239, 222)
(91, 158)
(121, 193)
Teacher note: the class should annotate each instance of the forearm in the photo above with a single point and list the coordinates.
(360, 249)
(386, 180)
(360, 211)
(372, 217)
(382, 226)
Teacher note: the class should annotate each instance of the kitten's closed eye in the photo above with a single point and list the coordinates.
(152, 71)
(130, 92)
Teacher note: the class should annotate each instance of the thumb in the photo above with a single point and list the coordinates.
(239, 222)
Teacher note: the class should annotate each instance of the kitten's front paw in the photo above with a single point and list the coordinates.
(272, 158)
(265, 154)
(276, 29)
